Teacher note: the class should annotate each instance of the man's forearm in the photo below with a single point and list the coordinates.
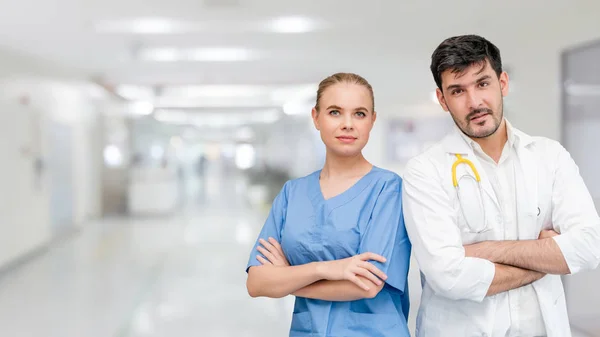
(542, 255)
(338, 290)
(509, 277)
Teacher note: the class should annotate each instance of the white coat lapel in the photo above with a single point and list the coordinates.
(526, 188)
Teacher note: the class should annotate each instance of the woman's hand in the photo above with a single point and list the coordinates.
(349, 269)
(273, 252)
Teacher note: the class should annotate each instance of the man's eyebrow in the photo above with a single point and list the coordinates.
(483, 78)
(453, 86)
(458, 86)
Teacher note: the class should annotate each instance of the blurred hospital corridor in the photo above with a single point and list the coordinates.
(142, 142)
(178, 275)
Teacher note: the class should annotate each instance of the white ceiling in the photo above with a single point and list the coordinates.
(387, 41)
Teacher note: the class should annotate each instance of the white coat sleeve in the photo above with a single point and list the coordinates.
(436, 238)
(574, 216)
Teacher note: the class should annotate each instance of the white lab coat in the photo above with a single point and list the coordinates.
(453, 301)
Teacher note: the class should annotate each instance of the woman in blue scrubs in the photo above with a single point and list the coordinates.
(336, 239)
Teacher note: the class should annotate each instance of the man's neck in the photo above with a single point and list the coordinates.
(494, 144)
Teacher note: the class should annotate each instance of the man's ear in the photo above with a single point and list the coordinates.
(441, 99)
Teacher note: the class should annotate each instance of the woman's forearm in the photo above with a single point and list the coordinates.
(280, 281)
(338, 290)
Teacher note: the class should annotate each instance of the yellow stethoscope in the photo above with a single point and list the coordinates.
(474, 215)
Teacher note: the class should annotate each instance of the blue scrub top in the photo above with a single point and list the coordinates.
(365, 218)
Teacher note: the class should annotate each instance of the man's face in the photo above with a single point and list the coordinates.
(474, 99)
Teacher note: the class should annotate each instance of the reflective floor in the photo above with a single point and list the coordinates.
(181, 275)
(168, 276)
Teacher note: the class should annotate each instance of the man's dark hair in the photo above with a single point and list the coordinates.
(460, 52)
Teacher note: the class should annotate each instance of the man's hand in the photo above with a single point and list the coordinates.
(547, 233)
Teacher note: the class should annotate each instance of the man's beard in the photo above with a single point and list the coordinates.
(469, 132)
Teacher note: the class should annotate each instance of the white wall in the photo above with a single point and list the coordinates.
(31, 94)
(24, 209)
(87, 163)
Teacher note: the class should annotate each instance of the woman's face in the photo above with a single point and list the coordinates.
(345, 118)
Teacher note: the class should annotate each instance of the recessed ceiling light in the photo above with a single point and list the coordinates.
(196, 54)
(142, 108)
(214, 91)
(150, 25)
(294, 108)
(134, 92)
(172, 116)
(292, 24)
(220, 54)
(160, 55)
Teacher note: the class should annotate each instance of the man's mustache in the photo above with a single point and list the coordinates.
(477, 112)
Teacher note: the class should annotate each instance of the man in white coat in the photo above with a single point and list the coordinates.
(495, 216)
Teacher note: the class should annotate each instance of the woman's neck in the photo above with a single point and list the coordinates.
(345, 167)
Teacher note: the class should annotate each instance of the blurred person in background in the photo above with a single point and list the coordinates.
(335, 238)
(495, 215)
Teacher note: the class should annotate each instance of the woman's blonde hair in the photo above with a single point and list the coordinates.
(343, 78)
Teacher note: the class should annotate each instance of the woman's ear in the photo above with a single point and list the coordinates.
(315, 117)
